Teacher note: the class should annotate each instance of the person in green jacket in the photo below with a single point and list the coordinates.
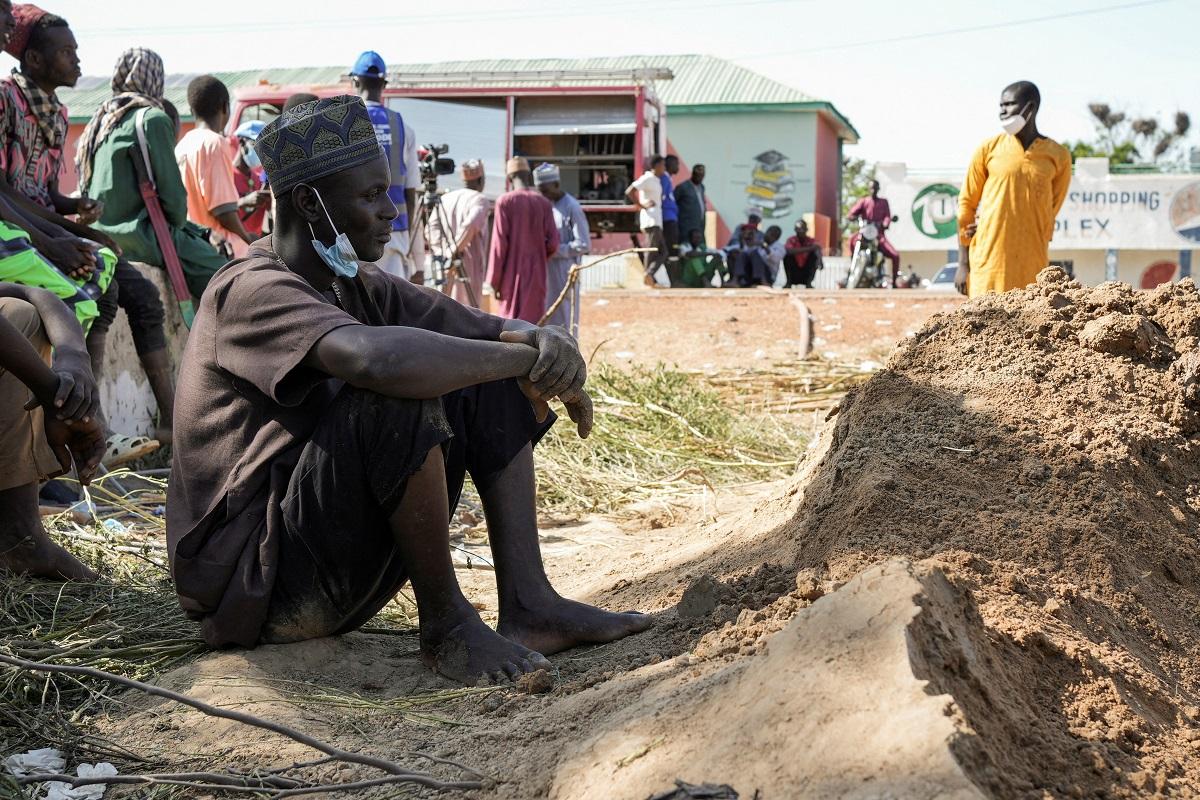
(107, 172)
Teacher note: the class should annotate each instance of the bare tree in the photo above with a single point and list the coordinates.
(1123, 139)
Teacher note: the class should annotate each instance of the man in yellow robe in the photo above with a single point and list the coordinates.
(1014, 188)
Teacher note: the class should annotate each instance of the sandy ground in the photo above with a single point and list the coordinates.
(603, 731)
(738, 328)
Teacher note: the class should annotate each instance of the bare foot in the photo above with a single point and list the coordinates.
(36, 555)
(469, 650)
(559, 624)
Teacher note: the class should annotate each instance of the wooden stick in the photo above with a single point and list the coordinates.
(401, 773)
(573, 276)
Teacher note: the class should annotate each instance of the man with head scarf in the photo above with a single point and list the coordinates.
(69, 259)
(574, 240)
(524, 237)
(107, 172)
(328, 413)
(459, 233)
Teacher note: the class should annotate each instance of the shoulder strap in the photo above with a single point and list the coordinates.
(396, 153)
(139, 123)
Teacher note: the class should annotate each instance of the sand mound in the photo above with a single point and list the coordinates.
(983, 585)
(1038, 449)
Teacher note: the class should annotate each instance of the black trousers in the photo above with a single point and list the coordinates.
(659, 257)
(338, 560)
(800, 274)
(671, 235)
(143, 307)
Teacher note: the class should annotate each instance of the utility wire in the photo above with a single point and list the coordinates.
(499, 15)
(954, 31)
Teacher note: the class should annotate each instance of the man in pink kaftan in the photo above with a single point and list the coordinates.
(524, 237)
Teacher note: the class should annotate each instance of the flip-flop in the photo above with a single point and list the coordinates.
(122, 449)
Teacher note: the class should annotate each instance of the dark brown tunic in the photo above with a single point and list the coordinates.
(245, 408)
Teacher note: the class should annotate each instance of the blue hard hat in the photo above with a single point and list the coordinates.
(370, 64)
(250, 130)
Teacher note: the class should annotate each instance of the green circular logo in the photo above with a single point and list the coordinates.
(935, 211)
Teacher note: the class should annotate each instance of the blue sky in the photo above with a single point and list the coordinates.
(916, 92)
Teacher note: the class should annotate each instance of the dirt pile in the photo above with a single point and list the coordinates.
(1037, 449)
(985, 583)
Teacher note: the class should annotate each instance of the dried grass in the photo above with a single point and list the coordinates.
(660, 433)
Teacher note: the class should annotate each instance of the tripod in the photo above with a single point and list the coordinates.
(446, 266)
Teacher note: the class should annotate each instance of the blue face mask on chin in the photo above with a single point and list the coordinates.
(339, 256)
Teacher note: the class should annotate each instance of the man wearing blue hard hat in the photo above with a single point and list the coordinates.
(403, 256)
(254, 198)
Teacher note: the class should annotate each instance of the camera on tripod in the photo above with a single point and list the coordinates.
(432, 163)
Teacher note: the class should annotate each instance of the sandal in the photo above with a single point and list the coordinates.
(122, 449)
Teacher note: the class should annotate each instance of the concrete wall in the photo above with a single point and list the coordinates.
(827, 193)
(124, 390)
(1142, 269)
(727, 142)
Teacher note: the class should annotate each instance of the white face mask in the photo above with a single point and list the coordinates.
(1014, 124)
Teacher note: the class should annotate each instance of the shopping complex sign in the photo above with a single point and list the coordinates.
(1185, 212)
(935, 210)
(1150, 212)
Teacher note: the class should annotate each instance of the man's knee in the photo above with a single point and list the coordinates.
(21, 315)
(374, 425)
(140, 298)
(107, 305)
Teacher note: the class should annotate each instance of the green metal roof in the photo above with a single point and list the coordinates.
(700, 82)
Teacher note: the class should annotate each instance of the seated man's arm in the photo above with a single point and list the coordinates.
(81, 440)
(18, 357)
(415, 363)
(77, 398)
(30, 210)
(560, 371)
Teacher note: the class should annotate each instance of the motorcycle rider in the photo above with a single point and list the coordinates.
(876, 209)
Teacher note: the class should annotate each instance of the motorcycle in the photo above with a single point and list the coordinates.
(867, 261)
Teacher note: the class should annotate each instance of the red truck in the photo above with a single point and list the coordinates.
(598, 126)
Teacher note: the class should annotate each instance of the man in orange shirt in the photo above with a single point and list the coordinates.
(1015, 185)
(207, 168)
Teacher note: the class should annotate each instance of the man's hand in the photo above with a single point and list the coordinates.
(541, 409)
(559, 369)
(82, 442)
(960, 277)
(418, 277)
(89, 210)
(70, 254)
(249, 202)
(77, 399)
(579, 409)
(970, 230)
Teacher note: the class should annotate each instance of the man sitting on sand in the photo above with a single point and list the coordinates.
(40, 437)
(328, 412)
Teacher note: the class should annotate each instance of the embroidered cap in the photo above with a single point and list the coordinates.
(472, 169)
(316, 139)
(546, 173)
